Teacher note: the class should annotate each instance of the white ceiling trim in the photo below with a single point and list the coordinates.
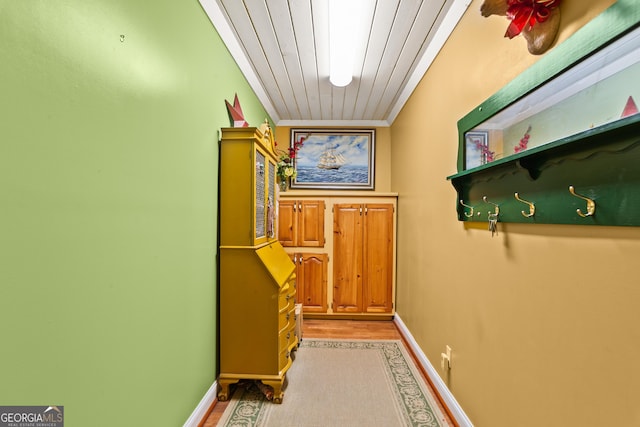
(334, 123)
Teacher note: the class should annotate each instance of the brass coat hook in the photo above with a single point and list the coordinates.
(470, 214)
(591, 205)
(532, 207)
(497, 208)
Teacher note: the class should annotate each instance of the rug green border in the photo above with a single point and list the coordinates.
(248, 407)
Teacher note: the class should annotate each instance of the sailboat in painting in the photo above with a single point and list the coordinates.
(329, 159)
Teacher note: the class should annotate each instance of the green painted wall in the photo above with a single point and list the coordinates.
(108, 189)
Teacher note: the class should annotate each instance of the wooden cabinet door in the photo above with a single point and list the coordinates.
(377, 246)
(287, 223)
(347, 258)
(311, 223)
(301, 223)
(312, 281)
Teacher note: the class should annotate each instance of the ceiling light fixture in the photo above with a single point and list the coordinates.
(344, 29)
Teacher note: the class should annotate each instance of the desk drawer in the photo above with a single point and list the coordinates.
(285, 359)
(285, 316)
(286, 297)
(285, 339)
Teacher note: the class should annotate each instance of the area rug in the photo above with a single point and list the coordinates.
(341, 383)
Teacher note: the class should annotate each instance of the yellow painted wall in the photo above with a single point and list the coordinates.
(543, 319)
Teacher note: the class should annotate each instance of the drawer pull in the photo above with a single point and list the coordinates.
(288, 354)
(288, 315)
(288, 335)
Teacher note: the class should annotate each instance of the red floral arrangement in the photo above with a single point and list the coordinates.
(523, 142)
(489, 156)
(526, 13)
(285, 165)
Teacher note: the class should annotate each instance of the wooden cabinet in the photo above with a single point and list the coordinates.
(311, 281)
(363, 258)
(301, 223)
(352, 274)
(257, 278)
(247, 187)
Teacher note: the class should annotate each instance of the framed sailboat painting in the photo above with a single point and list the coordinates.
(333, 159)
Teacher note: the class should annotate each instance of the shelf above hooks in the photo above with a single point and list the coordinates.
(598, 160)
(603, 168)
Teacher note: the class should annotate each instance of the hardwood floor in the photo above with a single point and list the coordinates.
(339, 329)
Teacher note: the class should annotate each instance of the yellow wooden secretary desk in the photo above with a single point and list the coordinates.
(257, 280)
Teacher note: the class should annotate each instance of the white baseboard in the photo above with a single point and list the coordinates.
(201, 410)
(444, 392)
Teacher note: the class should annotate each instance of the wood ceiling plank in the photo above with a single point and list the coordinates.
(402, 24)
(383, 20)
(242, 26)
(320, 18)
(355, 92)
(266, 38)
(337, 104)
(281, 12)
(422, 30)
(304, 33)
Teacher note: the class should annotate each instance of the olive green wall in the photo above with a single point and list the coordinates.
(542, 319)
(108, 184)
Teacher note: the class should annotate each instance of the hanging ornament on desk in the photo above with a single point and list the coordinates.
(235, 113)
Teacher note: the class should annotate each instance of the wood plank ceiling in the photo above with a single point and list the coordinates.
(281, 46)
